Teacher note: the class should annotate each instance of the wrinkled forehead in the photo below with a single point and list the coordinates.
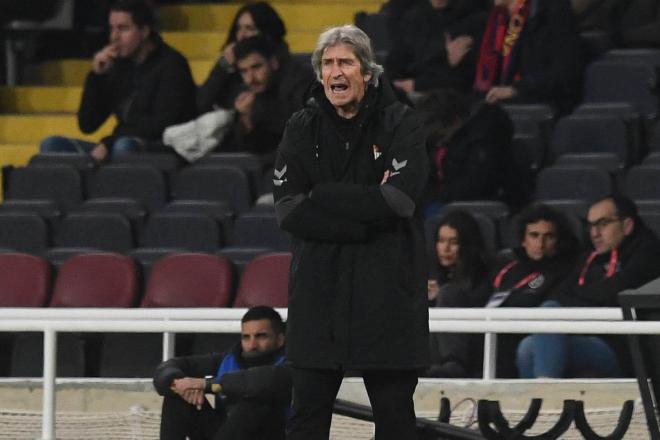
(603, 209)
(339, 51)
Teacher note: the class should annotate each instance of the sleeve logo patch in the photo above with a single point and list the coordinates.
(279, 176)
(398, 165)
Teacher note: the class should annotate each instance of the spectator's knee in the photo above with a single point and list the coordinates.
(56, 144)
(125, 145)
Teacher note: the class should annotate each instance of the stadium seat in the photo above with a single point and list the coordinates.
(189, 280)
(635, 83)
(191, 231)
(652, 220)
(572, 182)
(96, 280)
(130, 208)
(147, 256)
(24, 280)
(592, 134)
(23, 232)
(646, 56)
(144, 183)
(80, 161)
(219, 210)
(107, 231)
(375, 26)
(260, 229)
(61, 183)
(265, 281)
(248, 162)
(643, 182)
(167, 163)
(46, 209)
(215, 183)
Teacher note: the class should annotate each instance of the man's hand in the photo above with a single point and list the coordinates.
(457, 48)
(499, 93)
(191, 389)
(104, 59)
(99, 153)
(243, 102)
(243, 105)
(386, 177)
(407, 85)
(433, 290)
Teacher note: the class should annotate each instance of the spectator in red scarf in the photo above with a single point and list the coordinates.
(530, 52)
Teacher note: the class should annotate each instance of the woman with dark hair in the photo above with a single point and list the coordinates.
(461, 260)
(224, 82)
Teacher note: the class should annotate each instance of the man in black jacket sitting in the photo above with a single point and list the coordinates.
(252, 387)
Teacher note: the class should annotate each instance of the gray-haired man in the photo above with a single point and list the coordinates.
(350, 169)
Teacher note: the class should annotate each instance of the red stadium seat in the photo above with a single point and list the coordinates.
(96, 280)
(265, 281)
(24, 280)
(189, 280)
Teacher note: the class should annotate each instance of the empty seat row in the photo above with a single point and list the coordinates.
(68, 186)
(182, 226)
(111, 280)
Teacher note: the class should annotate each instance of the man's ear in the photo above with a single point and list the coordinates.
(280, 340)
(628, 225)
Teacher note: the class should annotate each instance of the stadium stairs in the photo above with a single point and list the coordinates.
(48, 107)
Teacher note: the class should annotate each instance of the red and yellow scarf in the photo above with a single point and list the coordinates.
(500, 40)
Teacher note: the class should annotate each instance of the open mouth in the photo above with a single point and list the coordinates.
(338, 88)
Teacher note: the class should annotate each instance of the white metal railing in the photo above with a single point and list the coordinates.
(52, 321)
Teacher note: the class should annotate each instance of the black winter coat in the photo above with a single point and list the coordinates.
(357, 295)
(420, 51)
(638, 263)
(145, 98)
(257, 380)
(549, 273)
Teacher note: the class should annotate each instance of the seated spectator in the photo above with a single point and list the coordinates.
(438, 46)
(544, 258)
(139, 79)
(470, 154)
(638, 23)
(461, 267)
(625, 255)
(269, 97)
(530, 53)
(224, 82)
(252, 388)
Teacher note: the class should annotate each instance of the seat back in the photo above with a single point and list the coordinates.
(260, 229)
(189, 280)
(96, 280)
(192, 231)
(214, 182)
(61, 183)
(142, 182)
(265, 281)
(23, 232)
(102, 230)
(24, 280)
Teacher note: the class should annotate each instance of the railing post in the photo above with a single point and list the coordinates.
(169, 345)
(490, 355)
(50, 362)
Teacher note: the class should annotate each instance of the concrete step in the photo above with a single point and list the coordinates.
(31, 129)
(207, 44)
(297, 16)
(36, 99)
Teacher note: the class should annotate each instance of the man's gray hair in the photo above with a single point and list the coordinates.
(358, 40)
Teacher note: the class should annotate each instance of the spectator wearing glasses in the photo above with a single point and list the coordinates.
(625, 255)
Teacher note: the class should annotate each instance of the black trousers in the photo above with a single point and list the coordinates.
(244, 421)
(390, 393)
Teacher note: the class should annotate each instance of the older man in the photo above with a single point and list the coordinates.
(348, 176)
(625, 255)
